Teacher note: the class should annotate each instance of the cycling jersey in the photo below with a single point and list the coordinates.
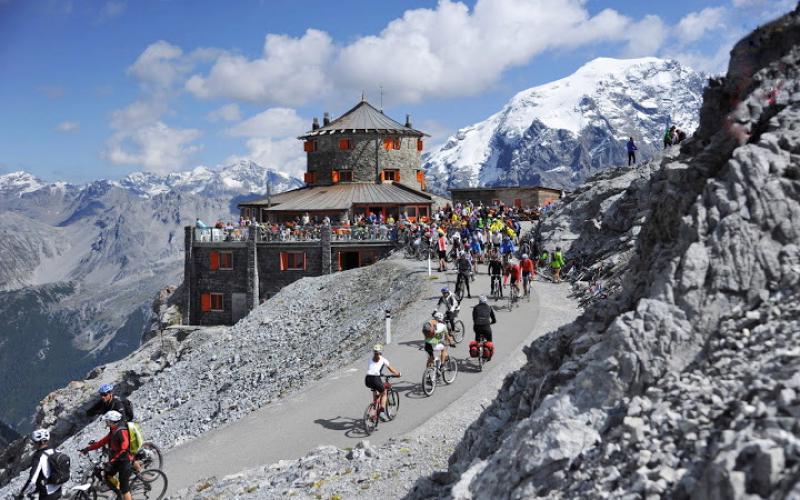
(438, 335)
(495, 268)
(449, 302)
(527, 266)
(376, 367)
(118, 442)
(514, 271)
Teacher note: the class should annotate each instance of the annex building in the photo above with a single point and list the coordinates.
(514, 196)
(361, 163)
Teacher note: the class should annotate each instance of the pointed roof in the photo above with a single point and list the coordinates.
(342, 197)
(363, 117)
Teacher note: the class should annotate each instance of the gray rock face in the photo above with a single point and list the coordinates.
(678, 386)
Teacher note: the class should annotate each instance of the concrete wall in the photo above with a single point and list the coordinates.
(222, 281)
(361, 159)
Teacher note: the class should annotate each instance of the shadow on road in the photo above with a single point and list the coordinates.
(352, 427)
(414, 343)
(468, 365)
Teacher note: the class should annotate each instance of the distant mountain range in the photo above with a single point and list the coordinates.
(560, 133)
(82, 265)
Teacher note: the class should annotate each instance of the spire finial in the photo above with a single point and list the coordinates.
(363, 96)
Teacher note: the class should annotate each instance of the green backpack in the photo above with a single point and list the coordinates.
(136, 436)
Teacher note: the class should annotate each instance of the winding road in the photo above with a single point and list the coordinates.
(329, 411)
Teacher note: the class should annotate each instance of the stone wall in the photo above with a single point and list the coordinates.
(222, 281)
(361, 159)
(530, 196)
(272, 278)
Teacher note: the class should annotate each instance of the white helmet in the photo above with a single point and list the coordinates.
(524, 256)
(40, 435)
(438, 315)
(377, 348)
(112, 416)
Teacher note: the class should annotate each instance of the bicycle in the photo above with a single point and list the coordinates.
(147, 484)
(495, 287)
(526, 287)
(372, 413)
(482, 353)
(150, 456)
(432, 374)
(457, 330)
(513, 296)
(461, 285)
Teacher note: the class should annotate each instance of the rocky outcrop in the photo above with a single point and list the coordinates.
(705, 304)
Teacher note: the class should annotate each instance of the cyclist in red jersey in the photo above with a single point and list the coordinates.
(528, 268)
(515, 273)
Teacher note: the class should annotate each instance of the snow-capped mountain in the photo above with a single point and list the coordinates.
(559, 133)
(81, 264)
(245, 177)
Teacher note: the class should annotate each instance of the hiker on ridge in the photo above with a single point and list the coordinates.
(631, 152)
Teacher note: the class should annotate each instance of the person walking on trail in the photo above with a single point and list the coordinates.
(41, 472)
(556, 263)
(631, 152)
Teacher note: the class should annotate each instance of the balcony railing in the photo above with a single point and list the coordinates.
(212, 234)
(267, 234)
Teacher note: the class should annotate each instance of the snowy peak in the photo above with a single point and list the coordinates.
(21, 182)
(558, 133)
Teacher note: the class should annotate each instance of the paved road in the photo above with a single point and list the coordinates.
(329, 412)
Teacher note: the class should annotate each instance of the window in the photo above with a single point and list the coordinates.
(345, 144)
(226, 260)
(211, 302)
(391, 143)
(345, 176)
(308, 177)
(495, 201)
(335, 176)
(390, 175)
(420, 145)
(421, 179)
(309, 146)
(293, 261)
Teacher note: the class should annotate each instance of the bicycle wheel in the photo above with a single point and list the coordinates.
(150, 484)
(481, 359)
(392, 404)
(150, 456)
(449, 371)
(428, 381)
(370, 418)
(460, 290)
(86, 495)
(458, 333)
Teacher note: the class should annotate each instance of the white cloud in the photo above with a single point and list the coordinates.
(274, 122)
(228, 113)
(695, 25)
(68, 127)
(162, 65)
(291, 71)
(448, 50)
(284, 155)
(112, 9)
(156, 147)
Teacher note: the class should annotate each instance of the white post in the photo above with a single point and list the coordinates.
(388, 318)
(429, 264)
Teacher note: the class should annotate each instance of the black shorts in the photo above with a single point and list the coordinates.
(484, 331)
(374, 382)
(514, 280)
(429, 349)
(442, 254)
(122, 468)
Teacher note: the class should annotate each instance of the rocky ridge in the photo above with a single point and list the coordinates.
(614, 406)
(202, 379)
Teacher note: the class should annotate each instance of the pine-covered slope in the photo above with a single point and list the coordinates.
(560, 133)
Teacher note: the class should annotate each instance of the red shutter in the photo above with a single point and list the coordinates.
(335, 176)
(387, 143)
(308, 146)
(205, 302)
(419, 144)
(214, 261)
(397, 176)
(304, 261)
(344, 143)
(308, 177)
(284, 261)
(381, 175)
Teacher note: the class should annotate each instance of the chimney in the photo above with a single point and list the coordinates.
(314, 124)
(326, 119)
(408, 121)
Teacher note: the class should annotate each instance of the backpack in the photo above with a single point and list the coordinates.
(128, 406)
(428, 329)
(59, 467)
(136, 437)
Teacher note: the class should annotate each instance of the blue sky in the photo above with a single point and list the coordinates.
(97, 89)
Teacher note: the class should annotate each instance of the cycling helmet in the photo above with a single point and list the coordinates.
(112, 416)
(482, 299)
(524, 256)
(445, 290)
(105, 389)
(40, 435)
(438, 315)
(377, 348)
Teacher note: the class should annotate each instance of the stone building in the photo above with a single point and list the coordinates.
(520, 197)
(363, 162)
(359, 163)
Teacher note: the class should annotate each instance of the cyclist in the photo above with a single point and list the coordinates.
(38, 480)
(456, 240)
(507, 248)
(528, 272)
(108, 401)
(120, 458)
(451, 310)
(556, 264)
(482, 320)
(514, 272)
(495, 273)
(435, 332)
(441, 245)
(464, 267)
(544, 259)
(374, 371)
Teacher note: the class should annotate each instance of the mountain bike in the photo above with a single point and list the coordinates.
(461, 285)
(513, 296)
(150, 456)
(495, 286)
(147, 484)
(433, 374)
(483, 353)
(457, 330)
(526, 286)
(372, 413)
